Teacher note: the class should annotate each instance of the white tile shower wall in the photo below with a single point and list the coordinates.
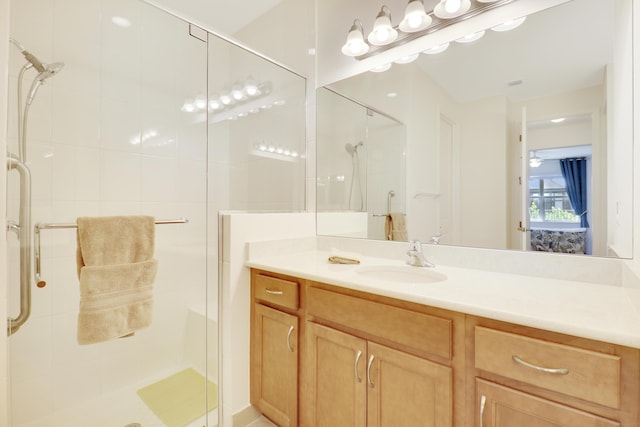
(107, 137)
(238, 229)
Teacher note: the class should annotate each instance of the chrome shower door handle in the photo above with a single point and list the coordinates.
(24, 236)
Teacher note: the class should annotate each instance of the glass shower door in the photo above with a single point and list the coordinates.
(110, 135)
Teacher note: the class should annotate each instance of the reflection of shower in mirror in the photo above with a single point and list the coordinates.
(352, 150)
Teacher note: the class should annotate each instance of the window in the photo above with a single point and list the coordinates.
(549, 201)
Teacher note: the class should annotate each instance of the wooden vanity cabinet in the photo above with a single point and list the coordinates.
(535, 378)
(274, 347)
(323, 355)
(368, 363)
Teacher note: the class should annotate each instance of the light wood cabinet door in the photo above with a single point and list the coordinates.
(404, 390)
(500, 406)
(274, 365)
(337, 378)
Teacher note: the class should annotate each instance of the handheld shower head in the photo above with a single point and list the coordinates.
(351, 148)
(29, 57)
(49, 70)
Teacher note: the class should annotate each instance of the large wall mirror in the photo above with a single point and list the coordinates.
(519, 140)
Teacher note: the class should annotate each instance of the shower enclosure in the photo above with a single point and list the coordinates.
(149, 116)
(360, 167)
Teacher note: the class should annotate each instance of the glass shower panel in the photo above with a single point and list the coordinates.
(111, 135)
(360, 167)
(256, 132)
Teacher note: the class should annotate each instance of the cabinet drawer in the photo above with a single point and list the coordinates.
(418, 333)
(585, 374)
(276, 291)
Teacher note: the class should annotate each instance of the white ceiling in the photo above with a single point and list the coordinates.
(222, 16)
(557, 50)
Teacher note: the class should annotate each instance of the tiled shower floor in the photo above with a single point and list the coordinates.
(115, 409)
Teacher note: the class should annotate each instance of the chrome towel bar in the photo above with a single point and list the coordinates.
(57, 226)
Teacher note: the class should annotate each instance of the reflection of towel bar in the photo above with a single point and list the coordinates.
(56, 226)
(374, 214)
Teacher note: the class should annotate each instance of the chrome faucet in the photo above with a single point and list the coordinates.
(416, 258)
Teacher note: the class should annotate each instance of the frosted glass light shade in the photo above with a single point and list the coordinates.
(448, 9)
(383, 32)
(355, 45)
(415, 17)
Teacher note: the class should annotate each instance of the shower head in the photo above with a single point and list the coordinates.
(49, 70)
(29, 57)
(352, 149)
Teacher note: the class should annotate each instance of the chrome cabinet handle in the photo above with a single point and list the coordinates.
(555, 371)
(358, 356)
(291, 328)
(483, 402)
(369, 381)
(273, 292)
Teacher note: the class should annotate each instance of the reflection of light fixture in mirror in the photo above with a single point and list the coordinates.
(383, 32)
(509, 25)
(535, 161)
(470, 38)
(251, 87)
(237, 92)
(415, 17)
(355, 44)
(120, 21)
(558, 120)
(407, 59)
(448, 9)
(436, 49)
(381, 68)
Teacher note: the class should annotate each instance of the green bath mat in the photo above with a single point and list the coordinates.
(180, 398)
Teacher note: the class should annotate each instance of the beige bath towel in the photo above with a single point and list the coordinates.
(395, 227)
(116, 270)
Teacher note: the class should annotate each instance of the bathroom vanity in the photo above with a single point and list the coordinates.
(349, 349)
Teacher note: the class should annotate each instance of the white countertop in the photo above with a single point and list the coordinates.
(599, 312)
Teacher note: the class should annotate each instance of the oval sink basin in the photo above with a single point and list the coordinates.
(402, 274)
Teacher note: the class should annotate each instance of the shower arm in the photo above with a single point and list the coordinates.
(24, 236)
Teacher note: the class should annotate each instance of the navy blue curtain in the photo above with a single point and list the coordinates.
(574, 172)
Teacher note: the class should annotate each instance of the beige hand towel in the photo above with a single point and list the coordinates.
(116, 270)
(395, 227)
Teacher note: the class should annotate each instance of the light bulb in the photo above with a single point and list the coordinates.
(355, 45)
(415, 17)
(201, 102)
(225, 99)
(452, 6)
(251, 87)
(237, 93)
(383, 33)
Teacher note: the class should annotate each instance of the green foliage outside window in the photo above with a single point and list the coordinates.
(556, 214)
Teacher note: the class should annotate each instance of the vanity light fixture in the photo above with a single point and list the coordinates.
(448, 9)
(415, 17)
(417, 23)
(509, 25)
(355, 45)
(470, 38)
(381, 68)
(407, 59)
(383, 32)
(436, 49)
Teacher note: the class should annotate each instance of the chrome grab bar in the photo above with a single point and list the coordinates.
(23, 230)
